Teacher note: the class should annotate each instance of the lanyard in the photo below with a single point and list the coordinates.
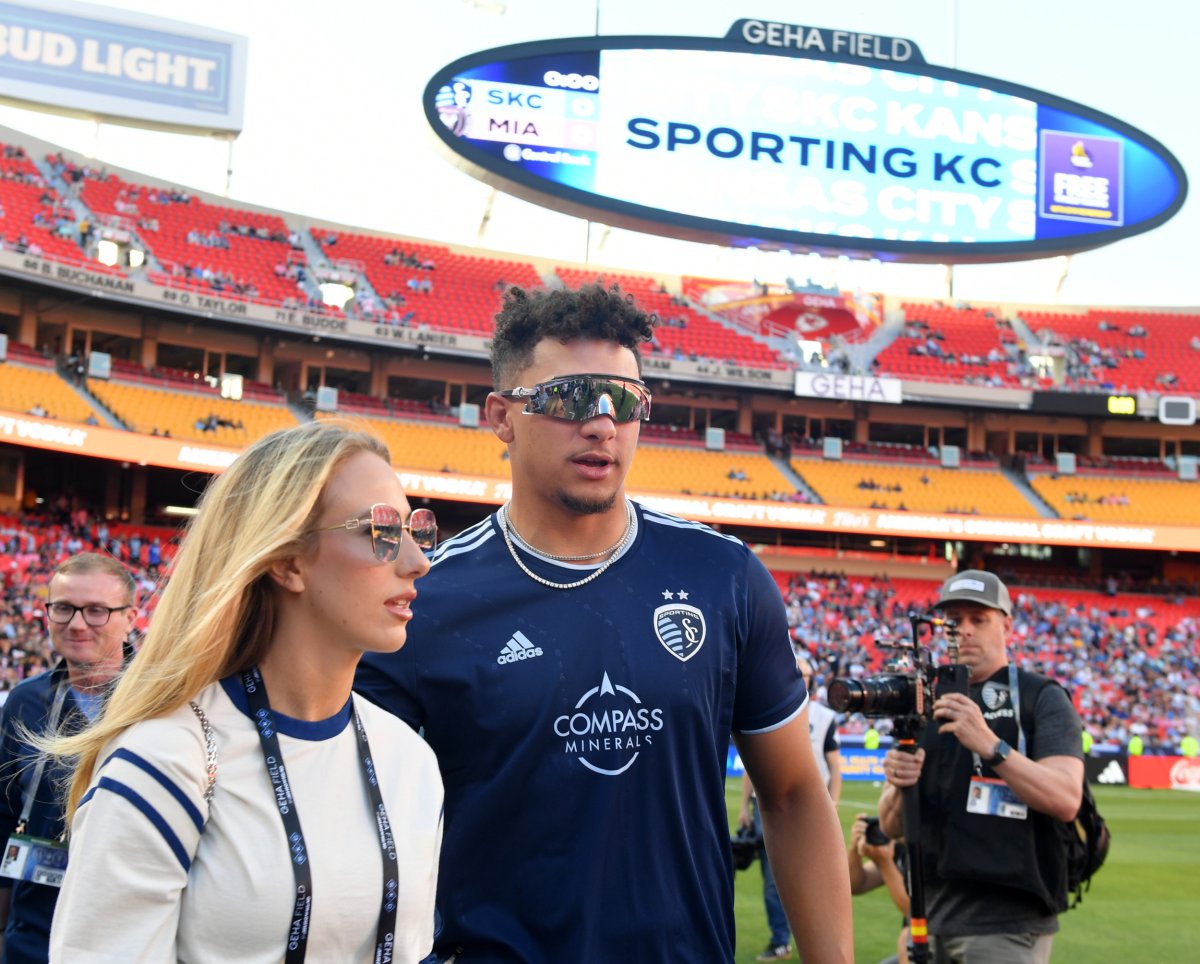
(55, 712)
(297, 945)
(1014, 697)
(1014, 700)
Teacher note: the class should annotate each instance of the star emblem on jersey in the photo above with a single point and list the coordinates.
(667, 594)
(680, 628)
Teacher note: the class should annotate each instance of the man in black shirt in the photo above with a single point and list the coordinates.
(997, 770)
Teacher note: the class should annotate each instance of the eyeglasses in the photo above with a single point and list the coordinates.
(387, 530)
(576, 398)
(95, 616)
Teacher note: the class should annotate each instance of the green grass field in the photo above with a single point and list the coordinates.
(1144, 905)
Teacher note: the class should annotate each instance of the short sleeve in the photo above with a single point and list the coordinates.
(770, 689)
(382, 680)
(1059, 730)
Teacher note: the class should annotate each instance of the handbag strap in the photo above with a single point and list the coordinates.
(210, 744)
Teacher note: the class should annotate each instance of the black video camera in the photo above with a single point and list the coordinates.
(908, 691)
(874, 835)
(745, 846)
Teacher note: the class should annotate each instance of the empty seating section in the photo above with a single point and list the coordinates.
(148, 410)
(23, 389)
(1117, 356)
(947, 490)
(659, 434)
(660, 469)
(697, 335)
(445, 290)
(946, 344)
(440, 448)
(244, 253)
(1120, 499)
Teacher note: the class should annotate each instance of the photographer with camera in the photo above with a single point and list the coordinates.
(992, 783)
(875, 860)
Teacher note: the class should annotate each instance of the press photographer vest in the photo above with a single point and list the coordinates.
(1026, 855)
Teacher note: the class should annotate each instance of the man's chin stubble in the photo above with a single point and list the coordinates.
(586, 506)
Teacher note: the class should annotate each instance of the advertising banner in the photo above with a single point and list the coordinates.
(1170, 772)
(119, 65)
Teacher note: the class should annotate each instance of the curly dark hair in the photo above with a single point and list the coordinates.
(591, 311)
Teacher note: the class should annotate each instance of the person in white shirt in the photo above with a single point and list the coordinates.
(212, 821)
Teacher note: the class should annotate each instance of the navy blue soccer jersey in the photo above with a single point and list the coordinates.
(582, 737)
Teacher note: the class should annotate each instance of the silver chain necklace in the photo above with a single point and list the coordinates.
(534, 550)
(510, 531)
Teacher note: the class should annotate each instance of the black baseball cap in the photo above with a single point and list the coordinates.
(976, 586)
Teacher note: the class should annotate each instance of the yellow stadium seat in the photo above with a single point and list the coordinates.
(700, 472)
(1116, 499)
(23, 389)
(147, 410)
(437, 447)
(921, 488)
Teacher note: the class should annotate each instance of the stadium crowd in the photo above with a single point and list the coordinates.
(31, 546)
(1127, 675)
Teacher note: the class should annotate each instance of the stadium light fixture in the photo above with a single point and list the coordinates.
(335, 294)
(180, 510)
(108, 253)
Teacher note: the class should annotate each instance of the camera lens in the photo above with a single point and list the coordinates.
(889, 695)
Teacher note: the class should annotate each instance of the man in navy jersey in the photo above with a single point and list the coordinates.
(578, 666)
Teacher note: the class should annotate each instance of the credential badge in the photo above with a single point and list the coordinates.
(680, 628)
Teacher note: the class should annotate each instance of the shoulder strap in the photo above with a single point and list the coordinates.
(210, 745)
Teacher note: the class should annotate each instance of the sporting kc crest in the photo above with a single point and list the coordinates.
(680, 628)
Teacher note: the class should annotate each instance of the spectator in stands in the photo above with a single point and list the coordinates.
(90, 613)
(284, 579)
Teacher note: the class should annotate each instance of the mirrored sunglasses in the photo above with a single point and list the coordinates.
(387, 530)
(576, 398)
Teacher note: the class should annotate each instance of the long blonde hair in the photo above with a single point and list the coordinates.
(217, 613)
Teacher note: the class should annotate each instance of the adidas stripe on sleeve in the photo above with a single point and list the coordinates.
(146, 805)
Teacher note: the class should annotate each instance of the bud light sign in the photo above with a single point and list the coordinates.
(804, 138)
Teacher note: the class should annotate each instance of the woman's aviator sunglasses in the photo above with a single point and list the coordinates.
(387, 530)
(576, 398)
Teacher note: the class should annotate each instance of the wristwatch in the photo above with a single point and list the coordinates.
(999, 754)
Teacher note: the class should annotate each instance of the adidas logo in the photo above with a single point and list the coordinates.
(518, 648)
(1111, 773)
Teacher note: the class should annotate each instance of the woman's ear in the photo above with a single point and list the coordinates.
(286, 574)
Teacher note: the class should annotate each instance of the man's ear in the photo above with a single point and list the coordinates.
(286, 574)
(499, 417)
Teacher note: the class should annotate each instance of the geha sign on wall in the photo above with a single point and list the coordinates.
(801, 137)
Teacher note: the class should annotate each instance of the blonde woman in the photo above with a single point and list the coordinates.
(324, 825)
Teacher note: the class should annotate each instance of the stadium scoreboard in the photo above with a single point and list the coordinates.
(1085, 404)
(806, 138)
